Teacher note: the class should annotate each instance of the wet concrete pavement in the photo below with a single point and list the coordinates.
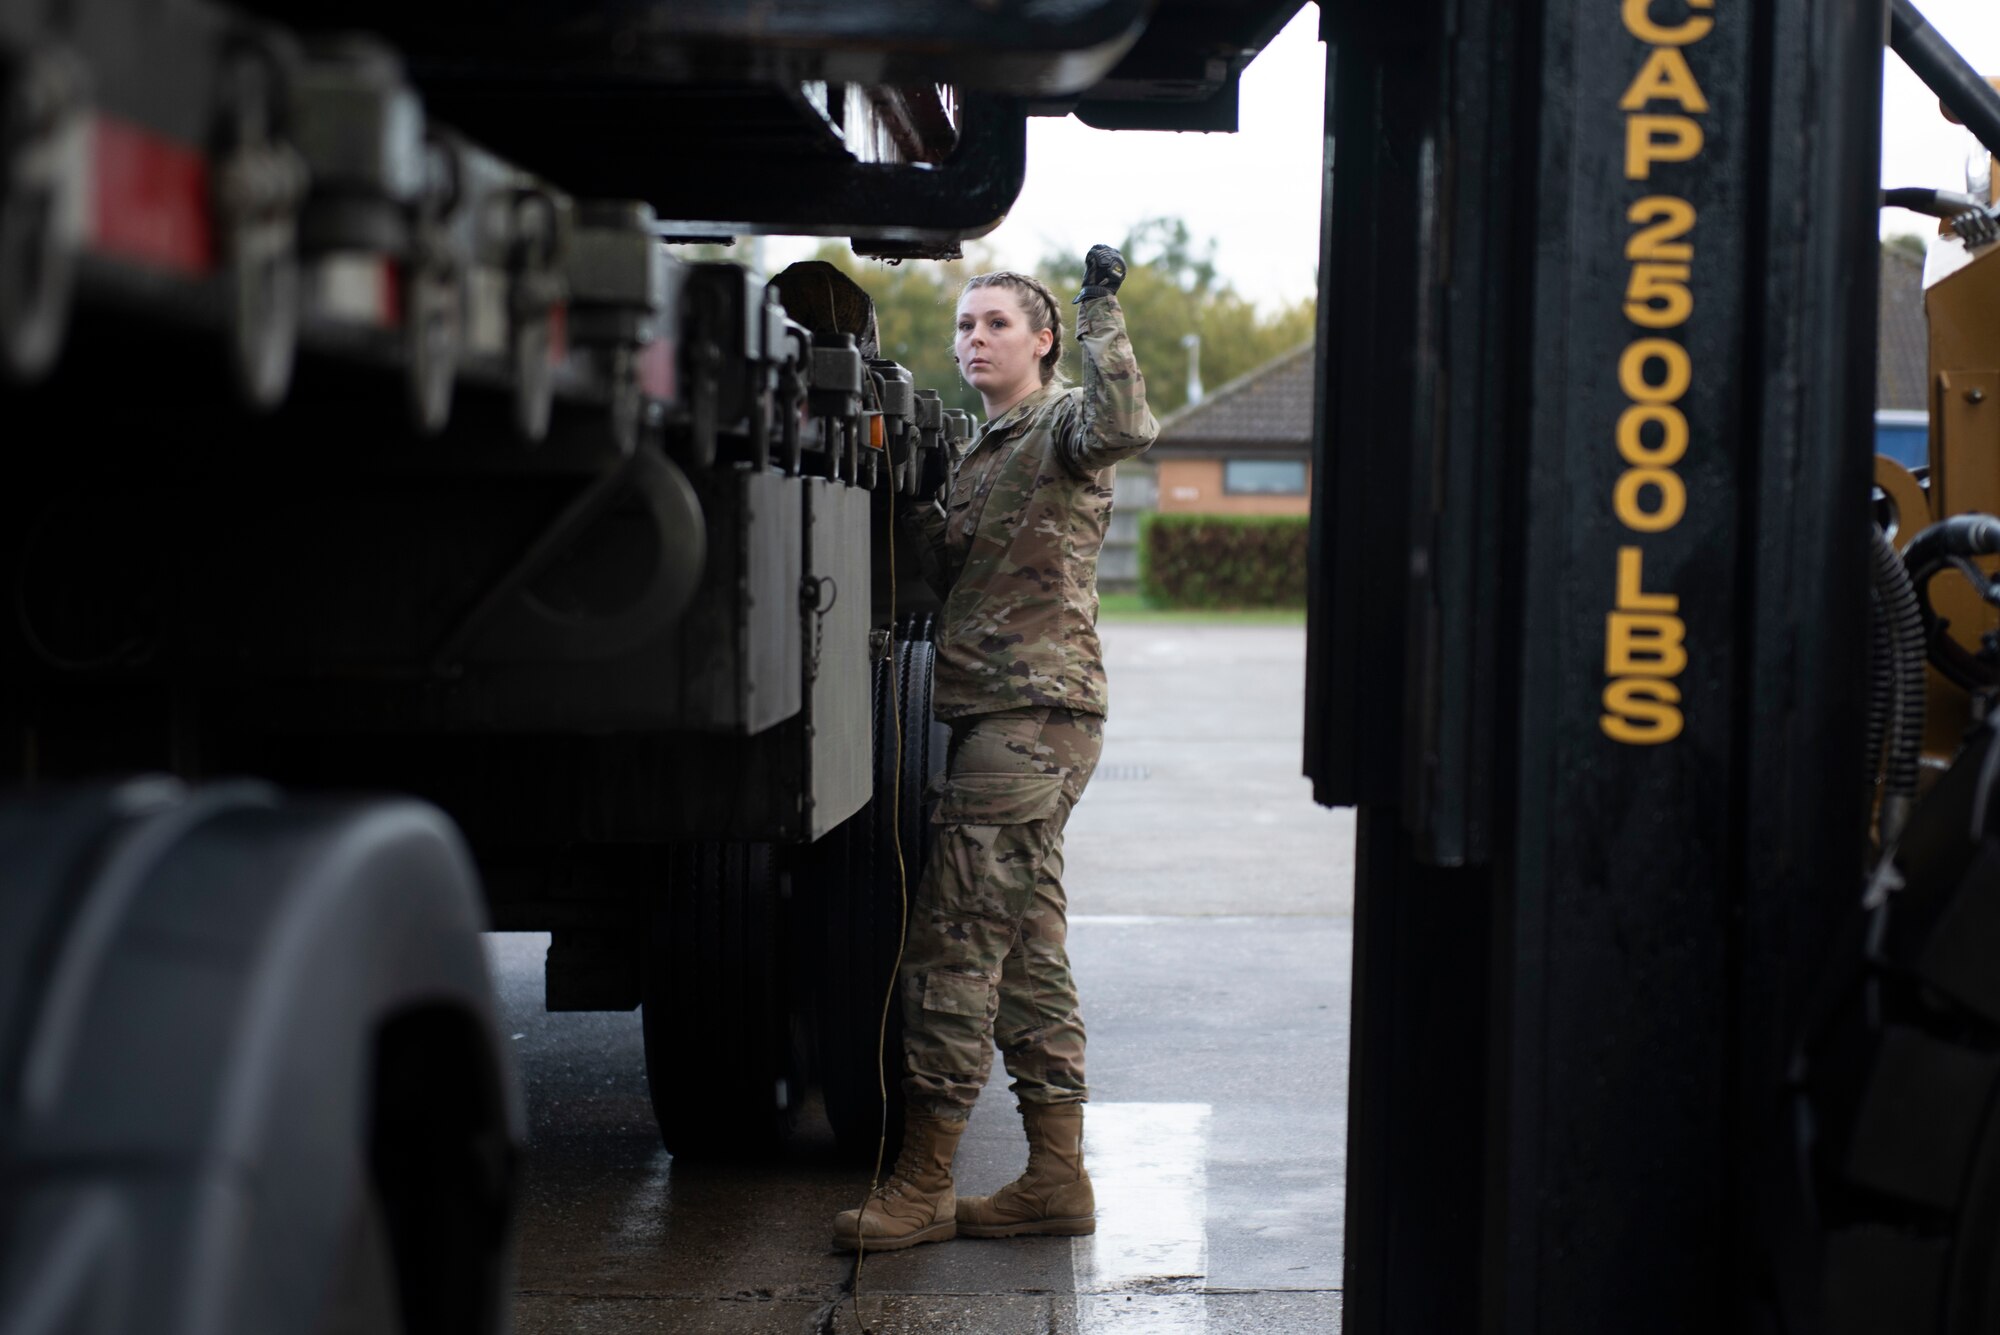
(1211, 938)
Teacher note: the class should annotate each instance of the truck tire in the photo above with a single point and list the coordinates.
(1896, 1082)
(240, 1033)
(854, 889)
(724, 1063)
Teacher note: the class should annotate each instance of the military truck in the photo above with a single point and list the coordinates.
(402, 537)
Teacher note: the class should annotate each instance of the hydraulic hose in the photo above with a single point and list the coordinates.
(1944, 543)
(1881, 683)
(1931, 58)
(1898, 595)
(1931, 203)
(1960, 535)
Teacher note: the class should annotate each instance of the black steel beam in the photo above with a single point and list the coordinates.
(1588, 619)
(1809, 413)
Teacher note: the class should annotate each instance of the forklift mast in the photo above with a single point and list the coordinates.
(1588, 641)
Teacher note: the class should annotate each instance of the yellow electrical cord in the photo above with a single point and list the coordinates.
(902, 922)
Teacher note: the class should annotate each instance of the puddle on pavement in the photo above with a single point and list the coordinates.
(1142, 1272)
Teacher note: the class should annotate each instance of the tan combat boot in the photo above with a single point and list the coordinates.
(917, 1203)
(1052, 1196)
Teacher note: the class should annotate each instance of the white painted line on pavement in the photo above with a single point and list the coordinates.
(1154, 920)
(1115, 920)
(1144, 1270)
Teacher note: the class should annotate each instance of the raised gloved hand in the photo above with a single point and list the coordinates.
(1103, 271)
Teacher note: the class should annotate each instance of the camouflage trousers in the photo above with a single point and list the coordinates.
(986, 961)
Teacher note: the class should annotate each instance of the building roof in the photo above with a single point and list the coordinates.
(1270, 408)
(1902, 349)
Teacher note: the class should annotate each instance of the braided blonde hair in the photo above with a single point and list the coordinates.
(1037, 303)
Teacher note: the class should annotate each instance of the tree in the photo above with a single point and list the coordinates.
(1905, 243)
(1172, 288)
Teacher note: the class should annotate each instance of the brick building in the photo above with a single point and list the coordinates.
(1246, 449)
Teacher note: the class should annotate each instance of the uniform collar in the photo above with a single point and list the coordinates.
(1019, 413)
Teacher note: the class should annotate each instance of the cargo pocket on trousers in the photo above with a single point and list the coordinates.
(998, 799)
(957, 994)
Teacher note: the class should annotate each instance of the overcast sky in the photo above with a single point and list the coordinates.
(1256, 192)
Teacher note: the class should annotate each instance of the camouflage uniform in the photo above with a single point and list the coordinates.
(1020, 678)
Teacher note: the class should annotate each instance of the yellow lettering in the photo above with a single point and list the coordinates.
(1639, 22)
(1665, 77)
(1632, 484)
(1631, 581)
(1657, 295)
(1677, 370)
(1641, 711)
(1644, 644)
(1651, 139)
(1673, 434)
(1668, 219)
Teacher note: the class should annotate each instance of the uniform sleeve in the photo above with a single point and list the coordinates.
(1114, 422)
(924, 524)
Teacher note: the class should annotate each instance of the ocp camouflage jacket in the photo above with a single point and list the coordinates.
(1013, 549)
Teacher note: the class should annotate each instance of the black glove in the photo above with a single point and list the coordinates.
(1103, 271)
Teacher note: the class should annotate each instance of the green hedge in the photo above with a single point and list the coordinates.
(1193, 560)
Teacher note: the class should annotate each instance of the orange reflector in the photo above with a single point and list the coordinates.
(875, 437)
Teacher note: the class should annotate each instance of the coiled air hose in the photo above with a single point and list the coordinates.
(1896, 602)
(1881, 683)
(1953, 542)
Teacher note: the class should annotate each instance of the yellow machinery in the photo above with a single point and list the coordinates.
(1962, 310)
